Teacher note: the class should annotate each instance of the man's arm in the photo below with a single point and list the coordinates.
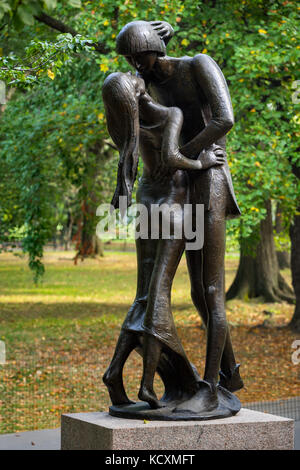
(163, 29)
(212, 83)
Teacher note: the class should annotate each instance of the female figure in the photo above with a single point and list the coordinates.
(135, 121)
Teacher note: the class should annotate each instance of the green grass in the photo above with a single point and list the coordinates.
(61, 334)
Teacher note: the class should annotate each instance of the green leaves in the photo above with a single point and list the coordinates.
(25, 15)
(22, 13)
(50, 4)
(59, 123)
(4, 8)
(40, 57)
(75, 3)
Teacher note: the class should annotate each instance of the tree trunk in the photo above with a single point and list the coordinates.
(295, 267)
(67, 236)
(295, 261)
(98, 246)
(87, 243)
(283, 257)
(258, 275)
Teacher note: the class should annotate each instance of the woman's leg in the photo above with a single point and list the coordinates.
(113, 376)
(158, 314)
(129, 340)
(152, 349)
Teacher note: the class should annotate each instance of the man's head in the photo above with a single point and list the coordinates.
(140, 44)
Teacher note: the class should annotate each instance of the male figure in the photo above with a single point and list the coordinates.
(197, 86)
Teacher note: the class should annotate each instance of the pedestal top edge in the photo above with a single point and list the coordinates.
(245, 416)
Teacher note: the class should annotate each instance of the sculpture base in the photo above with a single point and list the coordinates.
(248, 430)
(141, 410)
(228, 405)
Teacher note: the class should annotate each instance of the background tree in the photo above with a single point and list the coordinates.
(295, 259)
(255, 44)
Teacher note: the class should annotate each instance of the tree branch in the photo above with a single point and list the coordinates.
(110, 144)
(63, 28)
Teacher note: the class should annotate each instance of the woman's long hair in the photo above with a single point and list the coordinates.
(122, 115)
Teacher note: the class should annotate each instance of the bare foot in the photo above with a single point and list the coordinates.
(204, 400)
(150, 397)
(116, 389)
(232, 381)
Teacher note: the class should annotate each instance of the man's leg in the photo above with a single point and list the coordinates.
(214, 292)
(230, 378)
(210, 279)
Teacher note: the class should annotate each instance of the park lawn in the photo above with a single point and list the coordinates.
(61, 334)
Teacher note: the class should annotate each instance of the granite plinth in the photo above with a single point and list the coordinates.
(248, 430)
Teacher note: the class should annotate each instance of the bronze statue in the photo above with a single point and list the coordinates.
(188, 105)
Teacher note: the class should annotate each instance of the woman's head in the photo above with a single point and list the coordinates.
(120, 93)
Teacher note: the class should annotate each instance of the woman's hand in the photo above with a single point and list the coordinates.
(163, 29)
(209, 158)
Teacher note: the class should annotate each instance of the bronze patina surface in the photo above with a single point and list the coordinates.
(175, 112)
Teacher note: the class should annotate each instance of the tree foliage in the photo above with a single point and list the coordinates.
(20, 13)
(54, 134)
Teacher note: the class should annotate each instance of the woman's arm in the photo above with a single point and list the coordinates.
(154, 115)
(171, 154)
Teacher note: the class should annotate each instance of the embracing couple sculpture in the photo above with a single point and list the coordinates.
(176, 113)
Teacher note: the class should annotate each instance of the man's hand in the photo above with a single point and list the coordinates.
(209, 158)
(163, 29)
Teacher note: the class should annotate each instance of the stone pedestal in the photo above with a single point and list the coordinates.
(247, 430)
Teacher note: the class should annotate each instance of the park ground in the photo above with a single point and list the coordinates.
(61, 334)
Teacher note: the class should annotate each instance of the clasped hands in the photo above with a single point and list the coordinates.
(213, 156)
